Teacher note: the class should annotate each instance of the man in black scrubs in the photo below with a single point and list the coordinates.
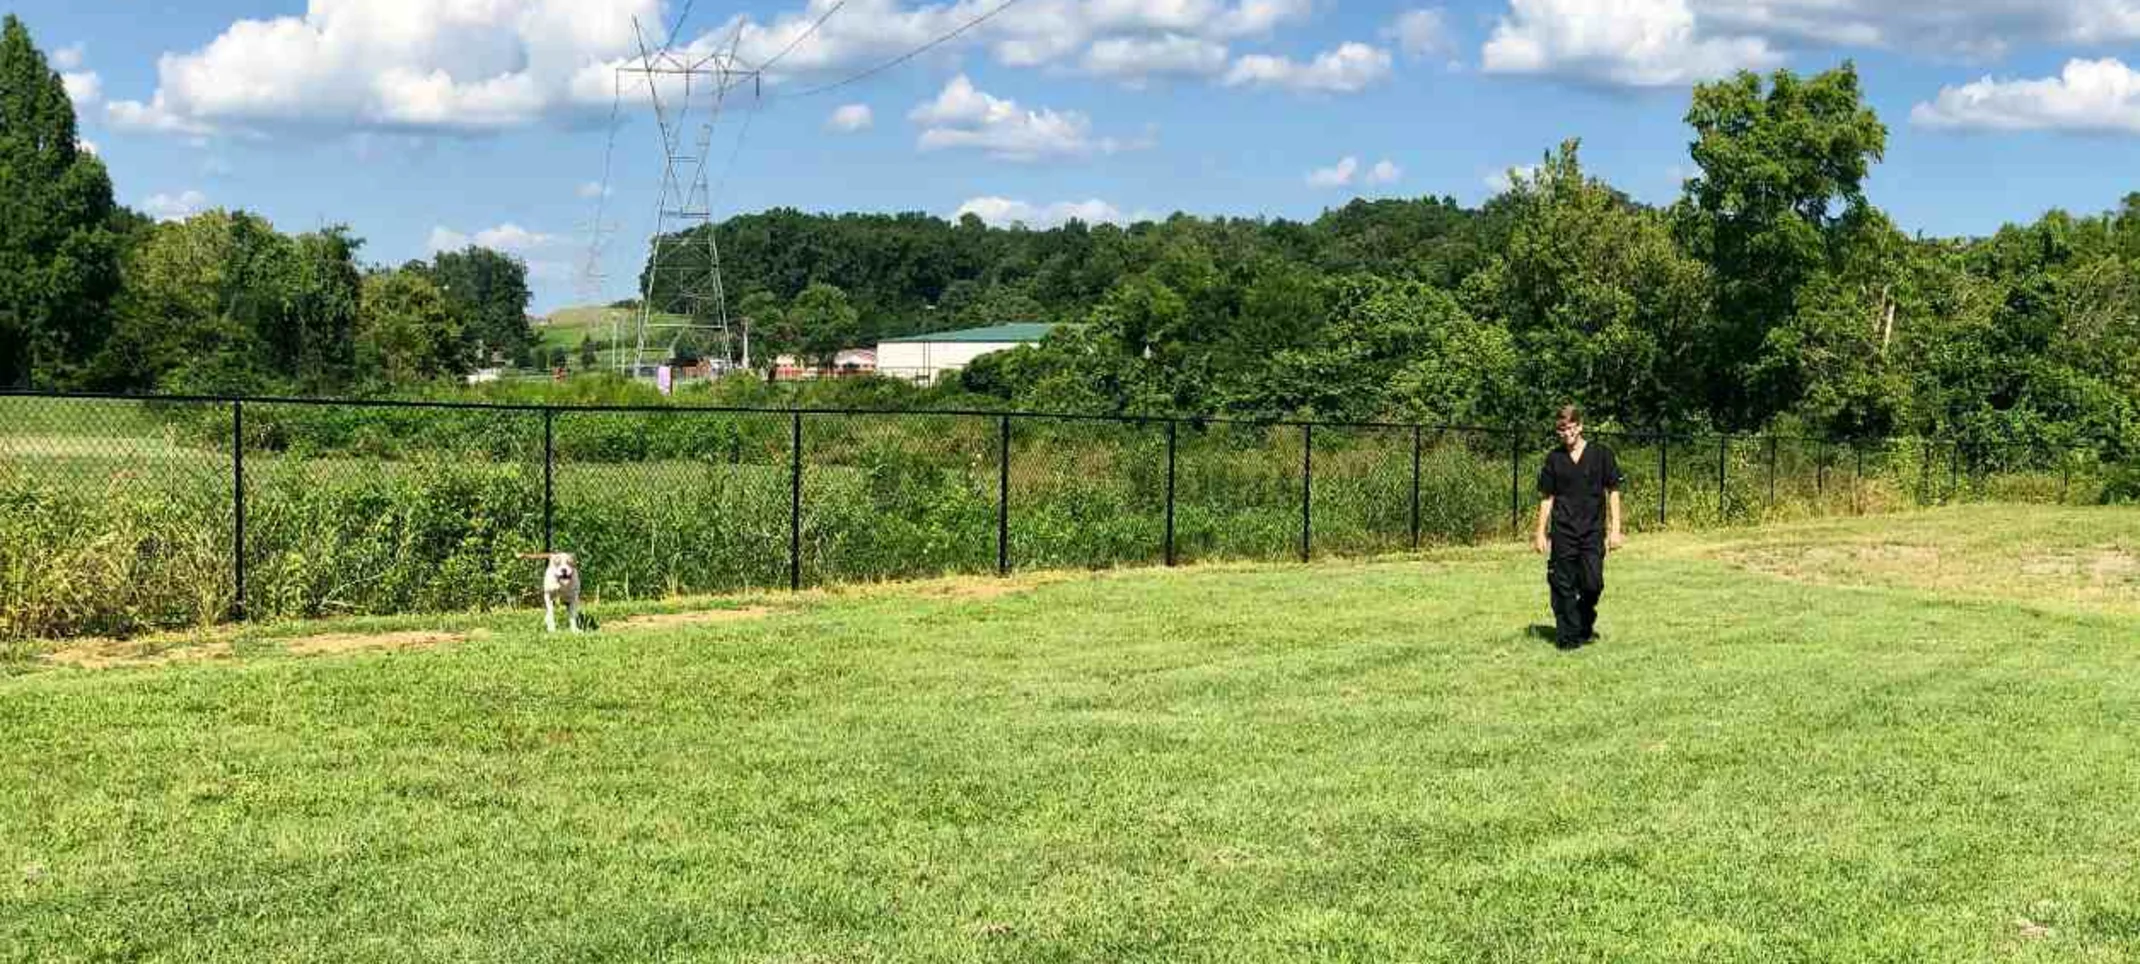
(1579, 483)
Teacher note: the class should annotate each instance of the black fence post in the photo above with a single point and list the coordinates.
(795, 501)
(1515, 483)
(237, 501)
(1954, 475)
(1415, 488)
(1173, 430)
(549, 478)
(1820, 474)
(1003, 497)
(1664, 474)
(1772, 471)
(1307, 492)
(1723, 494)
(2065, 484)
(1857, 481)
(1924, 472)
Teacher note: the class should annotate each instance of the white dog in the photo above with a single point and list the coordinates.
(560, 583)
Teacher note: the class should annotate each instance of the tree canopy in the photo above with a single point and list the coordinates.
(1771, 293)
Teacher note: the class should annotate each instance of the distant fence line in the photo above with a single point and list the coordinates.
(127, 513)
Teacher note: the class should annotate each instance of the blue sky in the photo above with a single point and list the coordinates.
(429, 122)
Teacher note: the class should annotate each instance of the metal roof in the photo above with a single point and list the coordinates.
(1028, 332)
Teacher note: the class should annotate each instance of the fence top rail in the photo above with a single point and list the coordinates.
(719, 409)
(1515, 433)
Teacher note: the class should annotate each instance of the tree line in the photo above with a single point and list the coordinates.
(1770, 295)
(94, 295)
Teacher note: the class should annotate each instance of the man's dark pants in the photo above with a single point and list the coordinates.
(1576, 575)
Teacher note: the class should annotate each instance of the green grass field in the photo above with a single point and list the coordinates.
(1887, 739)
(566, 327)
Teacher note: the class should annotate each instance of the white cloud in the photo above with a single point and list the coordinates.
(851, 118)
(1004, 212)
(85, 88)
(1969, 28)
(1134, 59)
(408, 65)
(88, 145)
(154, 117)
(505, 237)
(1636, 43)
(1502, 181)
(1423, 33)
(1336, 176)
(1348, 170)
(2089, 95)
(1032, 33)
(593, 189)
(963, 116)
(1350, 68)
(70, 58)
(166, 207)
(426, 67)
(550, 271)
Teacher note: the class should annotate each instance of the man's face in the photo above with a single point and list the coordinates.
(1569, 432)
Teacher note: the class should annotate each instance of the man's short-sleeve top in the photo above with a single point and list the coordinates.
(1578, 490)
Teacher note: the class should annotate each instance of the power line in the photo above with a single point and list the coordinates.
(909, 55)
(674, 29)
(792, 44)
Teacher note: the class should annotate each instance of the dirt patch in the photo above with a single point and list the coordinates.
(1812, 562)
(333, 644)
(2097, 565)
(117, 654)
(707, 617)
(972, 590)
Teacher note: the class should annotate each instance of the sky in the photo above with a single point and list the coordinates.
(423, 124)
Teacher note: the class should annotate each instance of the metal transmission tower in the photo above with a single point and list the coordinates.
(593, 278)
(681, 293)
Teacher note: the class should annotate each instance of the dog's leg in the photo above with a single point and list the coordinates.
(572, 610)
(549, 613)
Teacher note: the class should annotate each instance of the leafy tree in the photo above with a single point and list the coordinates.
(1597, 298)
(59, 266)
(765, 323)
(408, 331)
(824, 322)
(1780, 200)
(489, 290)
(588, 353)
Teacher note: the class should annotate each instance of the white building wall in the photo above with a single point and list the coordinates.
(926, 359)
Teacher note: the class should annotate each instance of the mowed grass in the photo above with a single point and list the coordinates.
(1762, 761)
(567, 327)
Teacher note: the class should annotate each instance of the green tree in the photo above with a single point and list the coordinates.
(765, 324)
(224, 302)
(407, 332)
(489, 291)
(59, 267)
(824, 322)
(1780, 199)
(588, 353)
(1598, 299)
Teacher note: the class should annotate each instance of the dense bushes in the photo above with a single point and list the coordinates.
(116, 518)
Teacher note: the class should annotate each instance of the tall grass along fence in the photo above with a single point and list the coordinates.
(119, 515)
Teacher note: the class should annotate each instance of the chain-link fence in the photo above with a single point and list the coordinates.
(119, 515)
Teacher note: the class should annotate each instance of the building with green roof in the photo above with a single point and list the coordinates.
(924, 357)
